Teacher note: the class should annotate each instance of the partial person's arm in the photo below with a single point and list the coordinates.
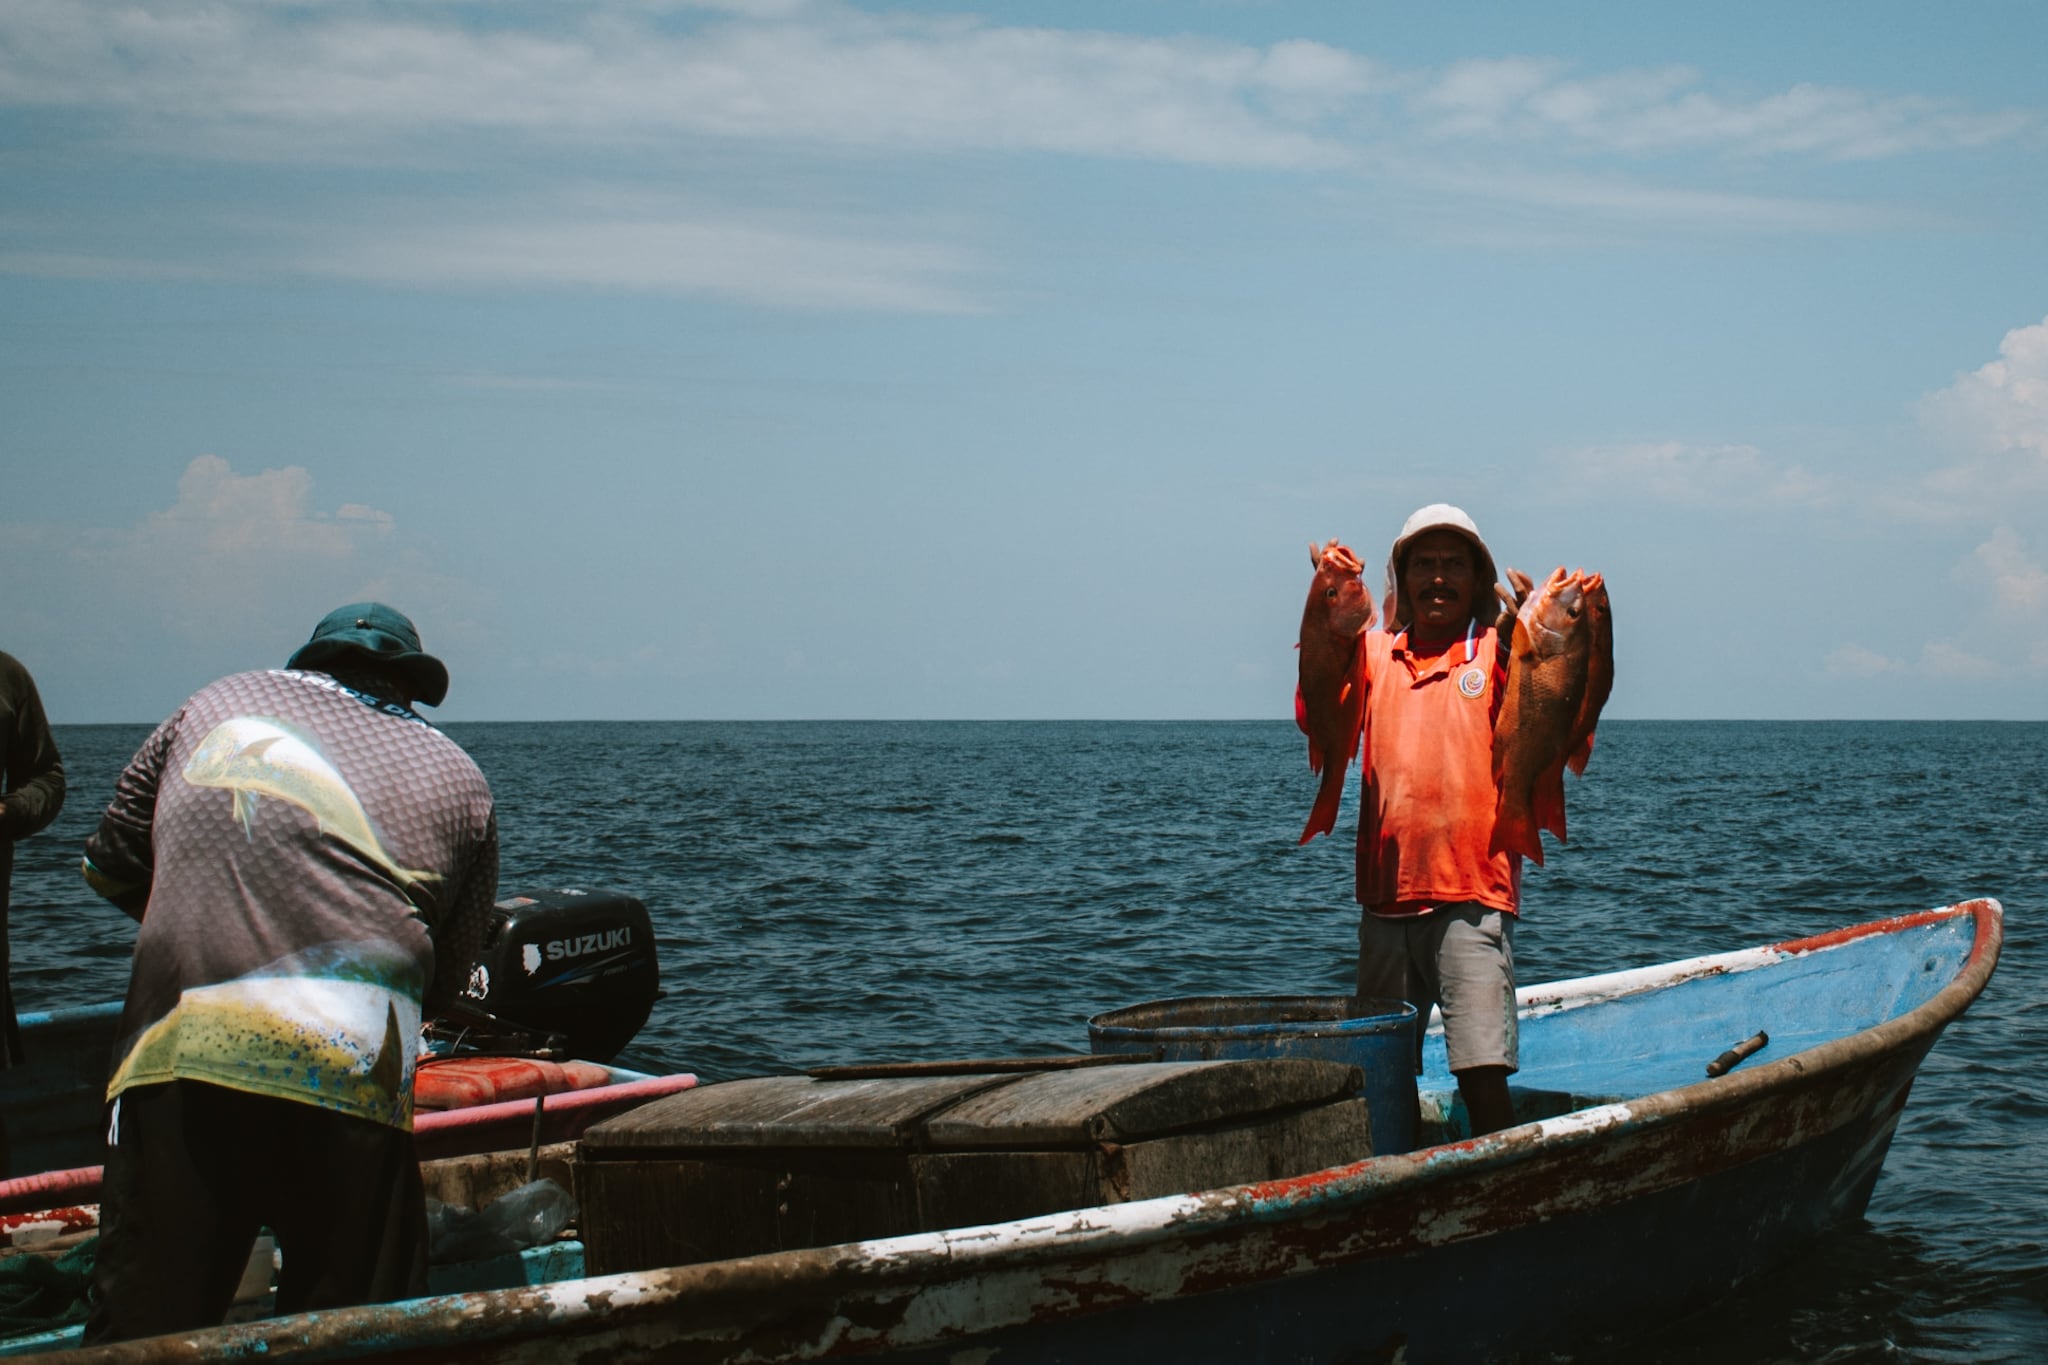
(35, 771)
(120, 857)
(459, 929)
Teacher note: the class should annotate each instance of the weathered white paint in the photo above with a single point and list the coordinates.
(1580, 1121)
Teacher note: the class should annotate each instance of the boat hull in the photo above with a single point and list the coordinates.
(1566, 1248)
(1549, 1236)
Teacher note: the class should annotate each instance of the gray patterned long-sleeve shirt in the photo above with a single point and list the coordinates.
(303, 857)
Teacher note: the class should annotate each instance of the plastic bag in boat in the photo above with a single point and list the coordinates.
(534, 1213)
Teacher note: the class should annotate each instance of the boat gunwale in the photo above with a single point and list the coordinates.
(1603, 987)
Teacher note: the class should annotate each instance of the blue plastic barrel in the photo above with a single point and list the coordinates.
(1376, 1035)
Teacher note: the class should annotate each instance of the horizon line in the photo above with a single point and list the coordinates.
(1116, 720)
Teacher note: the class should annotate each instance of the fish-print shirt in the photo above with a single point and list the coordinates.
(296, 851)
(1427, 797)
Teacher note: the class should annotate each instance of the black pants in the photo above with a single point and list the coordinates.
(197, 1170)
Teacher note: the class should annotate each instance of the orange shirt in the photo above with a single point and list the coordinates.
(1426, 814)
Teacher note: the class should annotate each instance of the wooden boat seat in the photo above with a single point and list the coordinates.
(781, 1162)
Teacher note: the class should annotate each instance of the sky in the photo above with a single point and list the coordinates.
(829, 360)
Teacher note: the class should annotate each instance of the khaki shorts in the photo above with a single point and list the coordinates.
(1459, 958)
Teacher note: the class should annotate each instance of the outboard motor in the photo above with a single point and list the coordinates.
(569, 971)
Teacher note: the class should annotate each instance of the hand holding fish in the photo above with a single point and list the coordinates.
(1338, 613)
(1335, 555)
(1560, 671)
(1512, 596)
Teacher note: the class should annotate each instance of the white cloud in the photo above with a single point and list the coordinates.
(235, 551)
(1946, 659)
(2017, 584)
(1992, 426)
(528, 383)
(1855, 661)
(289, 80)
(2004, 610)
(1987, 444)
(222, 517)
(1664, 110)
(633, 243)
(2001, 408)
(1477, 98)
(253, 79)
(232, 574)
(78, 265)
(1550, 195)
(1724, 475)
(483, 116)
(1940, 660)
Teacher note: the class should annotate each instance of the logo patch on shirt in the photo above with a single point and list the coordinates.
(1472, 681)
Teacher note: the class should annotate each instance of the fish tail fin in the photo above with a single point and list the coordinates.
(1322, 817)
(245, 811)
(1577, 762)
(1514, 830)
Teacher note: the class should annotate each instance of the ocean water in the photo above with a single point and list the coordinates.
(837, 892)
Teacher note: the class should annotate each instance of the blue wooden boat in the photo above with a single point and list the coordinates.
(1636, 1188)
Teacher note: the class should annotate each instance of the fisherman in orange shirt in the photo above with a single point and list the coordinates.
(1439, 908)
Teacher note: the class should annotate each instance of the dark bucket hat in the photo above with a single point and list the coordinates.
(372, 633)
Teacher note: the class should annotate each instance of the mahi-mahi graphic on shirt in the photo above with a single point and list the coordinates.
(337, 1041)
(254, 756)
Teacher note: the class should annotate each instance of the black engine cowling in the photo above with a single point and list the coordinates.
(576, 964)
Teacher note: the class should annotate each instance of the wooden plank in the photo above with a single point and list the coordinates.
(957, 1189)
(1271, 1149)
(783, 1111)
(964, 1189)
(638, 1215)
(972, 1066)
(1124, 1104)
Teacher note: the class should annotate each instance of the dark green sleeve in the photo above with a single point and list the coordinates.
(34, 787)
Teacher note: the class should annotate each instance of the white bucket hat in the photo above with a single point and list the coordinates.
(1438, 516)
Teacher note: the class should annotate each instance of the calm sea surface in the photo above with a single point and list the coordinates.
(829, 892)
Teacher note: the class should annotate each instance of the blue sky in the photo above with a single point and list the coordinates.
(787, 359)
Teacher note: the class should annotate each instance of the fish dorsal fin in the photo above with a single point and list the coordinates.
(388, 1073)
(1525, 640)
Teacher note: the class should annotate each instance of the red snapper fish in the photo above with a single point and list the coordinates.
(1560, 670)
(1338, 614)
